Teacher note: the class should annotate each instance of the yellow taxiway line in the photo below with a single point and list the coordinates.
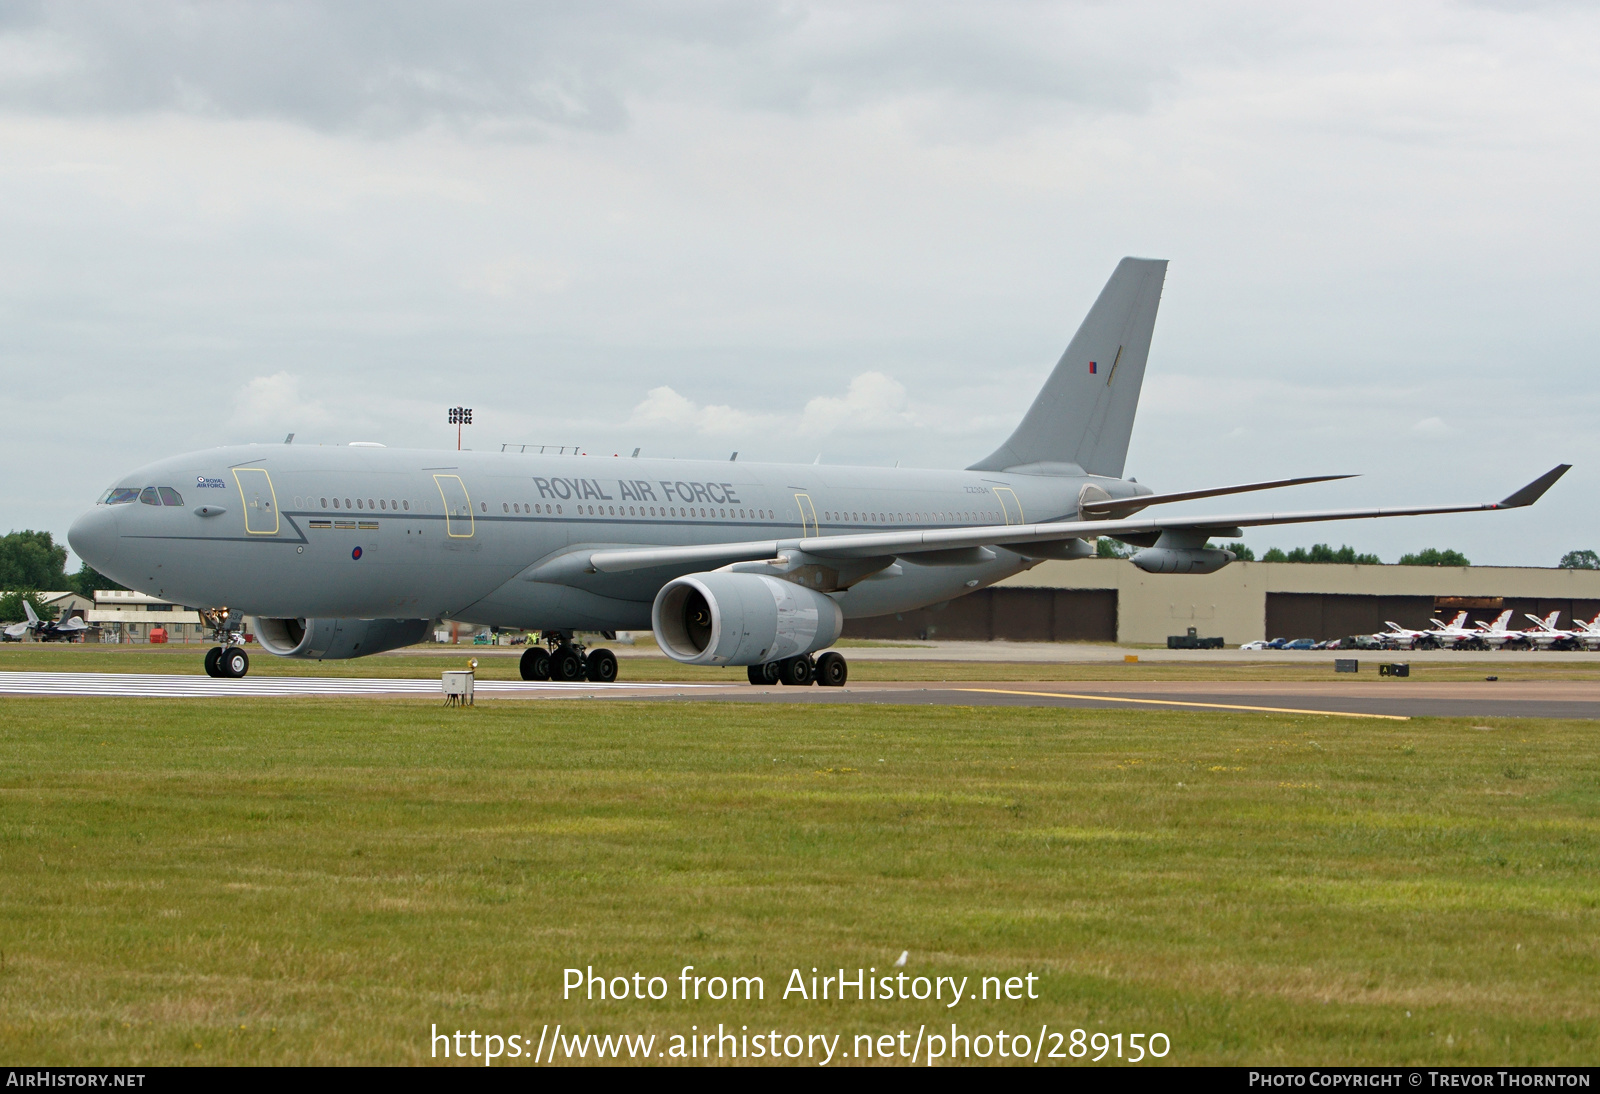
(1182, 703)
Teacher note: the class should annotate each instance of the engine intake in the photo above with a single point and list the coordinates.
(337, 639)
(742, 619)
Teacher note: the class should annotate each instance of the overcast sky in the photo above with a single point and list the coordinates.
(864, 231)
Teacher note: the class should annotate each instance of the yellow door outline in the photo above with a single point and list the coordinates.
(1009, 504)
(808, 515)
(454, 511)
(258, 511)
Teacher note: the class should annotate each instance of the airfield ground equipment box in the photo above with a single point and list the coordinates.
(1192, 641)
(458, 687)
(1345, 664)
(1401, 669)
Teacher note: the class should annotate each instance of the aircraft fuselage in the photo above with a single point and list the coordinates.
(368, 532)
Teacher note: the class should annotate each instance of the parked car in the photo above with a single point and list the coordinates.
(1256, 645)
(1301, 644)
(1276, 644)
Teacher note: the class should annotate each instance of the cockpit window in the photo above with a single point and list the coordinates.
(149, 496)
(169, 496)
(122, 495)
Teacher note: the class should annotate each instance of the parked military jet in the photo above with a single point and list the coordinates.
(45, 630)
(1588, 634)
(346, 551)
(1401, 638)
(1495, 635)
(1545, 635)
(1452, 634)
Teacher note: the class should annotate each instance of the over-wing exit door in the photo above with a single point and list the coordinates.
(1009, 504)
(458, 519)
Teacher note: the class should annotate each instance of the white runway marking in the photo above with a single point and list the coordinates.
(151, 685)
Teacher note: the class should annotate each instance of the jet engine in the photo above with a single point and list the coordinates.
(337, 639)
(742, 619)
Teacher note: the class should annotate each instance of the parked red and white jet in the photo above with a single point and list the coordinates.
(1495, 635)
(1588, 633)
(1546, 635)
(1453, 633)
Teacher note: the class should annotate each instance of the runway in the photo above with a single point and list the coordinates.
(1390, 700)
(176, 686)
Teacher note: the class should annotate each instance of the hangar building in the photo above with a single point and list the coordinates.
(1111, 600)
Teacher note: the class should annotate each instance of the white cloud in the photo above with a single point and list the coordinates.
(1433, 427)
(875, 402)
(276, 400)
(664, 408)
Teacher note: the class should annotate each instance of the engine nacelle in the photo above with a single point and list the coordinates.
(337, 639)
(742, 619)
(1182, 560)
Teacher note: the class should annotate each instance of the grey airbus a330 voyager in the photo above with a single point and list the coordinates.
(348, 550)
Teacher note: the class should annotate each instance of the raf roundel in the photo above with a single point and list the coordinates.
(356, 553)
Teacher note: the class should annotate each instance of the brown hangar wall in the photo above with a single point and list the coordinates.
(1012, 614)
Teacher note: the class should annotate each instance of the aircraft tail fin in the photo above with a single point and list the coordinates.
(33, 616)
(1084, 413)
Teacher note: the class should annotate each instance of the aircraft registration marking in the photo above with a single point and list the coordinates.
(1185, 703)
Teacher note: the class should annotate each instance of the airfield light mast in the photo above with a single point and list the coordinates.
(460, 416)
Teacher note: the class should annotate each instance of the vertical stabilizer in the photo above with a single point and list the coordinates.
(1084, 414)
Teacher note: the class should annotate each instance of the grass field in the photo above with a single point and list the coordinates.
(499, 663)
(319, 881)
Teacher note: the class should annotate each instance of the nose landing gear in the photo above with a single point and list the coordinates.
(228, 661)
(829, 670)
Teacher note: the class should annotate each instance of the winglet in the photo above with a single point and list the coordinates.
(1535, 489)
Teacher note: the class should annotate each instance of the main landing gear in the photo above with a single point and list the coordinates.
(228, 661)
(567, 661)
(830, 670)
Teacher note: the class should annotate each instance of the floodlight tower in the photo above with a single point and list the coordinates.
(460, 416)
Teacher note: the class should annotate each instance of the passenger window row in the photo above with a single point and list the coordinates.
(897, 518)
(672, 511)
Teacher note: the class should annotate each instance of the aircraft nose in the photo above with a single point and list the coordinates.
(93, 537)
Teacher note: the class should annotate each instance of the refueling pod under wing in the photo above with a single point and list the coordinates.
(337, 639)
(742, 619)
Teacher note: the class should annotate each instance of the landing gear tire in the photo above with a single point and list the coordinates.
(565, 665)
(832, 670)
(795, 671)
(535, 663)
(602, 666)
(234, 663)
(214, 661)
(762, 675)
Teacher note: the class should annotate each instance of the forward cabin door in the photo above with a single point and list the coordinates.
(808, 515)
(259, 499)
(1009, 504)
(458, 519)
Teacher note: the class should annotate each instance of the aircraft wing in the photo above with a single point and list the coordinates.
(1106, 508)
(1018, 536)
(16, 630)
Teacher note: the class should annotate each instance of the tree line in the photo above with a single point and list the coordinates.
(1322, 552)
(32, 562)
